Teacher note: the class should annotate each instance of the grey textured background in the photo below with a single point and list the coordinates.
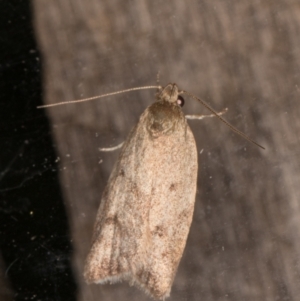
(244, 55)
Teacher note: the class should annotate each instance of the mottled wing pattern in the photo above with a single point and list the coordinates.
(147, 207)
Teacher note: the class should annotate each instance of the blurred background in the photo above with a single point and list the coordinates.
(244, 55)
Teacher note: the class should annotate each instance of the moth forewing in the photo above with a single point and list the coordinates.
(146, 209)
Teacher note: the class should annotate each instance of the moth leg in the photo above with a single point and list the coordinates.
(110, 149)
(199, 117)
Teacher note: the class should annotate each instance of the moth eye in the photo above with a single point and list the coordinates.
(180, 101)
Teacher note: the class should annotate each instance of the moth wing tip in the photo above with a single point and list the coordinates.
(155, 292)
(106, 279)
(160, 293)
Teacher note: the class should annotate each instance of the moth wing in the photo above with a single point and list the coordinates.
(146, 210)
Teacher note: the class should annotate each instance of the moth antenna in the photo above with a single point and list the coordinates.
(222, 119)
(157, 78)
(96, 97)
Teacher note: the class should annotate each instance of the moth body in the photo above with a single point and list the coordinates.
(146, 209)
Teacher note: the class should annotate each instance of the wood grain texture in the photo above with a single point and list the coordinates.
(243, 243)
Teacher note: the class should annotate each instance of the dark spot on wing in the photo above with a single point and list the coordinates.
(159, 231)
(172, 187)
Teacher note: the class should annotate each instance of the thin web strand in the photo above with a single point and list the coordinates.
(223, 120)
(97, 97)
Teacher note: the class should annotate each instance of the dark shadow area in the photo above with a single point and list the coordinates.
(35, 243)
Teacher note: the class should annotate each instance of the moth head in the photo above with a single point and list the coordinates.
(170, 93)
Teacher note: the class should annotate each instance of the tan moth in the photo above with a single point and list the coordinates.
(147, 206)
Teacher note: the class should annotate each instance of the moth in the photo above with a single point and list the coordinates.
(147, 206)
